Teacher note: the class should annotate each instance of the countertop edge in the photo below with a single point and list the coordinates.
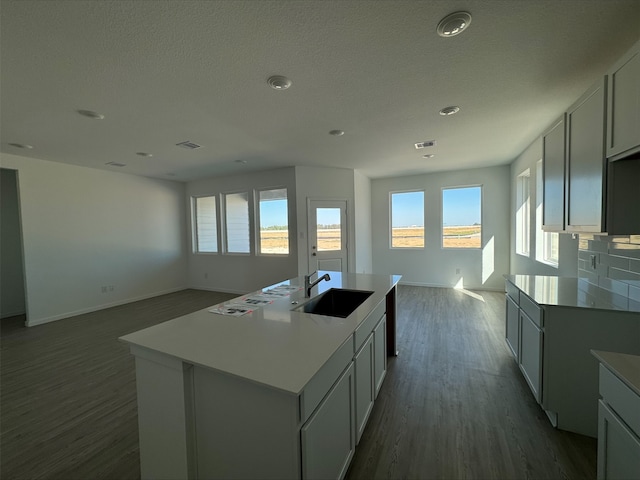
(620, 365)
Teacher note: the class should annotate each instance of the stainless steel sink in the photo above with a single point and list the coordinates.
(335, 302)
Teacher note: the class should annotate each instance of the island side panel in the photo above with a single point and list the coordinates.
(243, 429)
(570, 375)
(392, 350)
(165, 421)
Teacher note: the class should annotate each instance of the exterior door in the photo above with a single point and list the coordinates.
(328, 235)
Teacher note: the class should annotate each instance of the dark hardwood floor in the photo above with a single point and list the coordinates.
(453, 405)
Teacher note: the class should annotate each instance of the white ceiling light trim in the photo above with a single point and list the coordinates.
(454, 24)
(446, 111)
(91, 114)
(279, 82)
(336, 133)
(144, 154)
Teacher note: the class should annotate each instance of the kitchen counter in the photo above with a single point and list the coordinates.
(273, 345)
(570, 292)
(625, 367)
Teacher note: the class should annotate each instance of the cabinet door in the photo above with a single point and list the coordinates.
(531, 354)
(618, 447)
(586, 161)
(553, 169)
(364, 385)
(380, 353)
(623, 116)
(328, 438)
(513, 327)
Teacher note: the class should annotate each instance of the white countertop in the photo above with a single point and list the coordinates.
(624, 366)
(272, 345)
(570, 292)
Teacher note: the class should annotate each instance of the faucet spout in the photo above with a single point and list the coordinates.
(308, 285)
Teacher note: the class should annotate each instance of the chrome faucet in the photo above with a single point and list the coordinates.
(308, 285)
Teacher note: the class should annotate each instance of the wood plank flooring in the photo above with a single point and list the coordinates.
(454, 404)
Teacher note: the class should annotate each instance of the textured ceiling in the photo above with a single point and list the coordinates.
(163, 72)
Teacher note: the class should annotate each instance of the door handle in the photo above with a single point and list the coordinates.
(313, 254)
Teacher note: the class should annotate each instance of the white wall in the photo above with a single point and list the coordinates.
(11, 273)
(364, 243)
(324, 184)
(242, 273)
(433, 265)
(568, 246)
(85, 228)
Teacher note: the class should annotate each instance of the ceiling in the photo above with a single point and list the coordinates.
(163, 72)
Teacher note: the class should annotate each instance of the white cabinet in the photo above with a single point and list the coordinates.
(513, 327)
(380, 354)
(618, 428)
(586, 163)
(531, 354)
(623, 116)
(328, 437)
(553, 171)
(364, 365)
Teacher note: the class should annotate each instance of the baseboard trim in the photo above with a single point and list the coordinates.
(53, 318)
(12, 314)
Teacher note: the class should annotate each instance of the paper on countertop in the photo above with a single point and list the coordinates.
(232, 309)
(281, 291)
(255, 300)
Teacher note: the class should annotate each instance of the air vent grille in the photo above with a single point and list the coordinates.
(188, 144)
(428, 143)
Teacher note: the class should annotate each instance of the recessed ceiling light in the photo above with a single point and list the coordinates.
(21, 145)
(116, 164)
(449, 110)
(431, 155)
(91, 114)
(336, 133)
(279, 82)
(144, 154)
(239, 160)
(454, 24)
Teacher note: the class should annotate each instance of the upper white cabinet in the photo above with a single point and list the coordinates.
(623, 114)
(586, 163)
(553, 170)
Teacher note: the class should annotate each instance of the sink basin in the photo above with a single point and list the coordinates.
(335, 302)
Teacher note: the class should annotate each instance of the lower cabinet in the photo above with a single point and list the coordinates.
(618, 447)
(364, 365)
(328, 440)
(380, 354)
(512, 327)
(531, 354)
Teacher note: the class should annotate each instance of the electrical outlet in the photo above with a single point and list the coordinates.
(593, 262)
(206, 275)
(457, 271)
(111, 287)
(104, 289)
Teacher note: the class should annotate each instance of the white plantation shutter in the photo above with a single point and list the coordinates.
(237, 222)
(206, 227)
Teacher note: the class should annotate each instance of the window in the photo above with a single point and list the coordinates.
(328, 229)
(237, 222)
(274, 222)
(523, 212)
(462, 217)
(206, 229)
(407, 220)
(547, 247)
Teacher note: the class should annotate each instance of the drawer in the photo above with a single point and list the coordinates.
(624, 401)
(368, 324)
(532, 309)
(512, 291)
(324, 379)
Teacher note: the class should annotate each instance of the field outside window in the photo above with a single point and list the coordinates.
(407, 219)
(462, 217)
(274, 222)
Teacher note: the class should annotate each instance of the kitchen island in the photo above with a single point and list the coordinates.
(274, 393)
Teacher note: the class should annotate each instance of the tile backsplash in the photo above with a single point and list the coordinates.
(611, 263)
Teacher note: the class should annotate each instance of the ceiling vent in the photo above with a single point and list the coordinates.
(116, 164)
(189, 145)
(428, 143)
